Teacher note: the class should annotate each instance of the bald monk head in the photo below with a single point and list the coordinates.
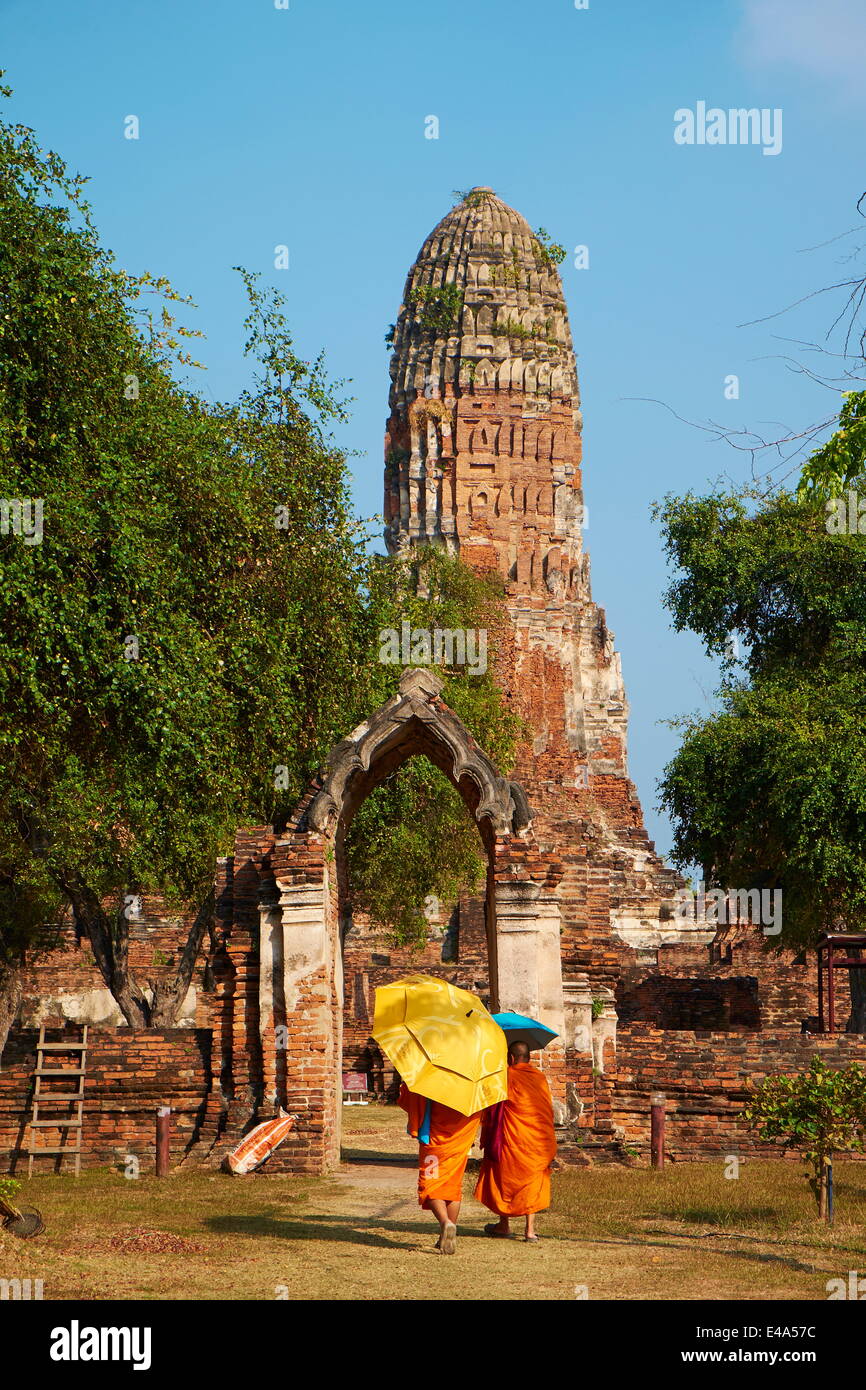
(518, 1052)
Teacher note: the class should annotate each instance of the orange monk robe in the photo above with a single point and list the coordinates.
(442, 1162)
(519, 1182)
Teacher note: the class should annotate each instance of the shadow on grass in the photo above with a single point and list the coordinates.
(665, 1240)
(351, 1230)
(734, 1253)
(380, 1157)
(798, 1237)
(726, 1216)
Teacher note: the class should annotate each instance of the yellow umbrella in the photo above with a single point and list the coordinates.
(443, 1042)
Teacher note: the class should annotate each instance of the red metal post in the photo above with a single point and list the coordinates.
(657, 1128)
(163, 1137)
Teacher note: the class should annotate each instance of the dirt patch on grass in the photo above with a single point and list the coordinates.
(136, 1241)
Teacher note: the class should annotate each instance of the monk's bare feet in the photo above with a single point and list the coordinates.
(497, 1232)
(448, 1239)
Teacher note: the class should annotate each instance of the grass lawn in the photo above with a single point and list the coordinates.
(618, 1233)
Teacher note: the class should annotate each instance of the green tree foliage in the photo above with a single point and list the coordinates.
(437, 307)
(820, 1112)
(474, 197)
(9, 1189)
(196, 608)
(841, 460)
(413, 837)
(770, 791)
(767, 570)
(547, 253)
(198, 624)
(28, 899)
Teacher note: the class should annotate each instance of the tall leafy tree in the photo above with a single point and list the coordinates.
(770, 790)
(188, 608)
(178, 640)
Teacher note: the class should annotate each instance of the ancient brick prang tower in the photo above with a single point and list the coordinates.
(483, 455)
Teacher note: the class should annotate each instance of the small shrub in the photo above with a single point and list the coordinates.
(820, 1112)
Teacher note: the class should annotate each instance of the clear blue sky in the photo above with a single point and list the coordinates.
(305, 126)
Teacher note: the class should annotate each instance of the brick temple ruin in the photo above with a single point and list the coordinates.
(577, 925)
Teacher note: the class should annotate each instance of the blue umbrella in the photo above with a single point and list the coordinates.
(519, 1028)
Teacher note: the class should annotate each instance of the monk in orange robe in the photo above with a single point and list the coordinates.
(441, 1162)
(515, 1172)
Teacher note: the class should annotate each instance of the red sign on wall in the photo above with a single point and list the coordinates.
(354, 1081)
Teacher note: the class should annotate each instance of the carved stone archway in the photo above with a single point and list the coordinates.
(294, 997)
(418, 716)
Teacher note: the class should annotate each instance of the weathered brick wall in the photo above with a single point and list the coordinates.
(257, 1067)
(130, 1074)
(306, 1068)
(672, 1002)
(63, 981)
(734, 981)
(370, 960)
(707, 1078)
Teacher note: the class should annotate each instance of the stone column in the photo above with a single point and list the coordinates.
(270, 992)
(604, 1031)
(577, 997)
(313, 1016)
(580, 1095)
(529, 969)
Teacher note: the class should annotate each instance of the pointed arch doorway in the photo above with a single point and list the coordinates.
(300, 1003)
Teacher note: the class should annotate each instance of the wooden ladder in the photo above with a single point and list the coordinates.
(47, 1098)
